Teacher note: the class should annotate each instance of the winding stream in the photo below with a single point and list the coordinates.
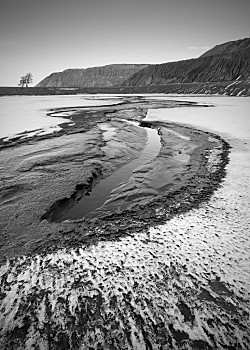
(94, 204)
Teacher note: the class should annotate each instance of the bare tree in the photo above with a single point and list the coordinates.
(22, 81)
(29, 79)
(26, 80)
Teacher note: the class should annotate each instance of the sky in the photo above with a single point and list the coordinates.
(46, 36)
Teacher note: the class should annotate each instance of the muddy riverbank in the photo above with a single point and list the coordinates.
(168, 271)
(40, 174)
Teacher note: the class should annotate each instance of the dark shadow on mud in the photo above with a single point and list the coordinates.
(62, 206)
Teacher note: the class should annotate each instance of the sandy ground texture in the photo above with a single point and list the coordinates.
(175, 278)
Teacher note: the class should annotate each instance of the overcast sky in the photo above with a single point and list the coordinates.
(45, 36)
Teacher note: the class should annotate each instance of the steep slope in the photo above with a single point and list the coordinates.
(216, 68)
(109, 75)
(229, 47)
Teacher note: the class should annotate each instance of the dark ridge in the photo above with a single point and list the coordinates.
(234, 88)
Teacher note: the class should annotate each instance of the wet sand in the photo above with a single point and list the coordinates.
(161, 275)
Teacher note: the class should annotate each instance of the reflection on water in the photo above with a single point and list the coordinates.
(108, 131)
(94, 205)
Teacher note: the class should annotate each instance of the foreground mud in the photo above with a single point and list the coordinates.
(161, 274)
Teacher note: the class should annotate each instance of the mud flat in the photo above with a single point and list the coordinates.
(161, 272)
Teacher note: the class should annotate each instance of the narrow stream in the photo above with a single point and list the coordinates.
(90, 206)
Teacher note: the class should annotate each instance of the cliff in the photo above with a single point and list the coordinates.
(105, 76)
(228, 47)
(225, 67)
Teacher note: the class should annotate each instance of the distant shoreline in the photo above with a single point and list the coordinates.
(206, 88)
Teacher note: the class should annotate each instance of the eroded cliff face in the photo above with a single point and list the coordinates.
(216, 68)
(228, 47)
(109, 75)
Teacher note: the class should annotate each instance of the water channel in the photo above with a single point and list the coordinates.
(94, 205)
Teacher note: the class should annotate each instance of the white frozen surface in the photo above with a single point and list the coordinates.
(28, 113)
(230, 115)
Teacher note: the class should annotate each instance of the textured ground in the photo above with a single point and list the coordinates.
(181, 285)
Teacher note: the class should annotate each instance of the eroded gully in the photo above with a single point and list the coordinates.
(93, 205)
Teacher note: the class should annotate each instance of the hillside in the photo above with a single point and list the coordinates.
(229, 47)
(226, 67)
(109, 75)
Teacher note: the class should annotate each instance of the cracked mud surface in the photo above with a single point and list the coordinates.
(172, 274)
